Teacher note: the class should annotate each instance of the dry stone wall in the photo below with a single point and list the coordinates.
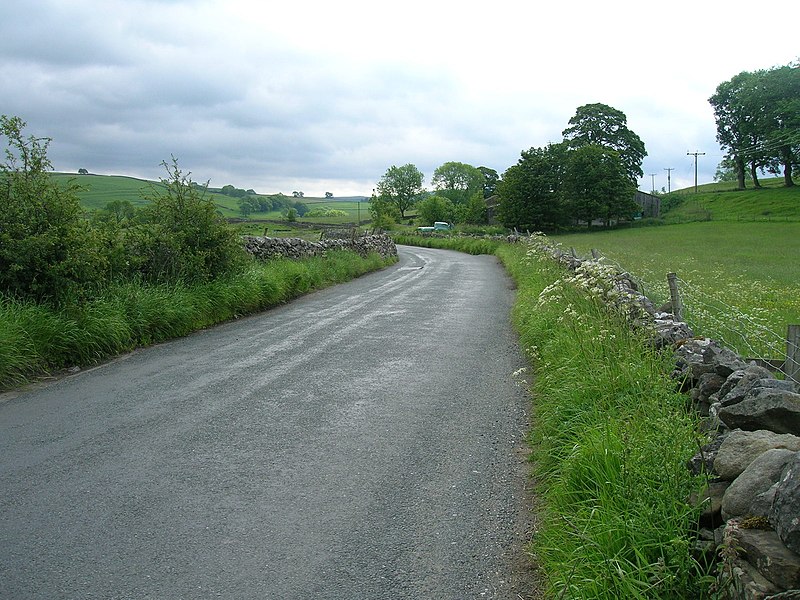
(750, 520)
(266, 248)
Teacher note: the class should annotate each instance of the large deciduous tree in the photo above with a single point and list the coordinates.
(599, 124)
(530, 191)
(490, 180)
(596, 185)
(457, 181)
(401, 186)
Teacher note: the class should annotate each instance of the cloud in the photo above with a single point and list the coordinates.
(307, 94)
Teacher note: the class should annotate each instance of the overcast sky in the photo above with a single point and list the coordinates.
(322, 96)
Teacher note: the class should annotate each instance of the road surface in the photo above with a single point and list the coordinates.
(365, 441)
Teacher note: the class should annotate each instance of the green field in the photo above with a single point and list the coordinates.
(740, 281)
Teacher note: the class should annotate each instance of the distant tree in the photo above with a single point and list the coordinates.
(120, 210)
(401, 186)
(457, 181)
(475, 211)
(329, 194)
(530, 191)
(435, 208)
(83, 172)
(490, 179)
(228, 190)
(291, 215)
(299, 208)
(599, 124)
(297, 194)
(596, 185)
(251, 192)
(246, 207)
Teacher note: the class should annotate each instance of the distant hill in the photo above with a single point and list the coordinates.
(99, 190)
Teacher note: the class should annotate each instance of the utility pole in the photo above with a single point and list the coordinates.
(695, 154)
(653, 183)
(669, 173)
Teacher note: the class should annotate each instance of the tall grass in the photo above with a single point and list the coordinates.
(462, 244)
(610, 438)
(36, 339)
(740, 279)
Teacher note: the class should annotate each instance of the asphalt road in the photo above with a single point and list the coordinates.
(365, 442)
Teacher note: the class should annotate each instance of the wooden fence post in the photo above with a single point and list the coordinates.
(595, 253)
(792, 365)
(675, 296)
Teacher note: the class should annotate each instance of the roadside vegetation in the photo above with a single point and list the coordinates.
(77, 288)
(610, 440)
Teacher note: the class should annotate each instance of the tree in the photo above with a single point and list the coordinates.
(457, 181)
(781, 116)
(297, 194)
(597, 186)
(384, 213)
(490, 179)
(475, 211)
(401, 186)
(435, 208)
(83, 172)
(329, 194)
(599, 124)
(530, 191)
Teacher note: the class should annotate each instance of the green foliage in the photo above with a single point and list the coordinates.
(610, 443)
(758, 119)
(530, 191)
(36, 339)
(46, 250)
(325, 213)
(401, 186)
(468, 245)
(474, 212)
(435, 208)
(457, 181)
(384, 212)
(183, 237)
(599, 124)
(596, 186)
(490, 180)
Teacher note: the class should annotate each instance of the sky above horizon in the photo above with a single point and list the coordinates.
(325, 96)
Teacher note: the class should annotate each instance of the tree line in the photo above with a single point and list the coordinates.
(590, 175)
(758, 123)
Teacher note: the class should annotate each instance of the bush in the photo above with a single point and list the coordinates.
(47, 251)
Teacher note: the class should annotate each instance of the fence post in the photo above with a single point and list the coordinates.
(595, 253)
(675, 296)
(792, 365)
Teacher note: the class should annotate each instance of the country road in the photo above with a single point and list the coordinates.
(365, 441)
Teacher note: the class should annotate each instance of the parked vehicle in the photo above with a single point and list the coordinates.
(437, 226)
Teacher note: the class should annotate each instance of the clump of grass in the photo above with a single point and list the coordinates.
(36, 339)
(610, 439)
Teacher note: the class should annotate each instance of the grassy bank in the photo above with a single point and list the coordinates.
(610, 439)
(36, 339)
(462, 244)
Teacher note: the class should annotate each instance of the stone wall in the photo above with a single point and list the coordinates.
(267, 248)
(750, 520)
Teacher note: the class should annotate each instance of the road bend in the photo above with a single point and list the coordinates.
(364, 441)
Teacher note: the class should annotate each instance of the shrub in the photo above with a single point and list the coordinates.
(47, 252)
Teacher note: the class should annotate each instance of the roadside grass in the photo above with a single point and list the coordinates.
(462, 244)
(740, 281)
(36, 339)
(610, 440)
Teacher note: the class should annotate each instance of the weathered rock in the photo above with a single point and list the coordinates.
(669, 332)
(746, 582)
(785, 513)
(750, 375)
(757, 478)
(765, 408)
(764, 550)
(710, 383)
(266, 248)
(787, 595)
(697, 357)
(740, 448)
(703, 461)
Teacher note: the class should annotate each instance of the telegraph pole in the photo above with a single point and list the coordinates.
(695, 154)
(669, 173)
(653, 183)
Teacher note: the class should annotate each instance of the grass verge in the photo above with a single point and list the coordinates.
(610, 439)
(462, 244)
(37, 339)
